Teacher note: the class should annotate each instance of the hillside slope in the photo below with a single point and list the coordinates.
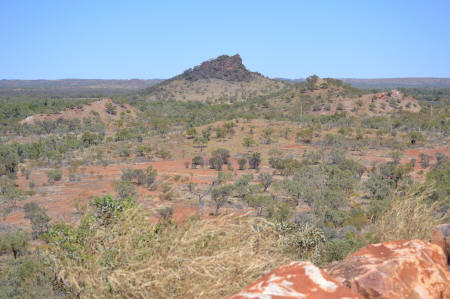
(223, 78)
(98, 108)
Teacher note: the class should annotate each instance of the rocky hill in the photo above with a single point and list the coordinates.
(228, 68)
(223, 78)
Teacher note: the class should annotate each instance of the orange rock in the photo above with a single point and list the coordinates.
(394, 270)
(296, 280)
(441, 237)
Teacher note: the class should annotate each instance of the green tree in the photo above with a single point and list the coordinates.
(223, 154)
(248, 141)
(197, 161)
(242, 163)
(9, 194)
(9, 161)
(151, 176)
(254, 160)
(216, 163)
(191, 133)
(54, 175)
(267, 135)
(305, 135)
(220, 195)
(266, 180)
(242, 186)
(38, 218)
(259, 202)
(17, 242)
(124, 189)
(26, 277)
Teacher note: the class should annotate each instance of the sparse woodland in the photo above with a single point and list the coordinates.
(202, 183)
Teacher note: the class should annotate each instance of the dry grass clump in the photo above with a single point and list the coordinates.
(209, 258)
(410, 216)
(214, 258)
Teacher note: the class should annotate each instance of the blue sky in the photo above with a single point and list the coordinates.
(159, 39)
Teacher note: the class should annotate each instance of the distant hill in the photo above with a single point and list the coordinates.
(224, 77)
(391, 82)
(400, 82)
(73, 87)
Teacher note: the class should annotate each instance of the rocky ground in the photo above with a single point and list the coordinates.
(394, 270)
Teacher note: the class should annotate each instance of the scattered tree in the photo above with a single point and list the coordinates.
(38, 218)
(254, 160)
(265, 179)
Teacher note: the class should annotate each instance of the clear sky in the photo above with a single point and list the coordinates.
(159, 39)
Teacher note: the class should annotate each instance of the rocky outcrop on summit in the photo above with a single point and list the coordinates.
(228, 68)
(296, 280)
(394, 270)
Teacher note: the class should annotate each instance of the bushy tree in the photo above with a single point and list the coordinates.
(191, 133)
(305, 135)
(267, 135)
(9, 161)
(266, 180)
(242, 186)
(223, 154)
(197, 161)
(54, 175)
(140, 176)
(90, 139)
(17, 242)
(26, 277)
(378, 185)
(151, 175)
(242, 163)
(38, 218)
(248, 141)
(439, 177)
(216, 163)
(259, 202)
(128, 174)
(124, 189)
(254, 160)
(220, 195)
(9, 194)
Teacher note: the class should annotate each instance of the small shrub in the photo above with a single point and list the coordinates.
(124, 189)
(165, 213)
(54, 176)
(242, 163)
(424, 160)
(197, 161)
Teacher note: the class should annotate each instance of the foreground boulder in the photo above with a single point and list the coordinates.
(441, 237)
(397, 269)
(296, 280)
